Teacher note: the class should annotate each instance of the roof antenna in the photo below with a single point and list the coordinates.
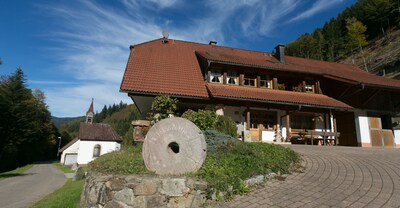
(165, 36)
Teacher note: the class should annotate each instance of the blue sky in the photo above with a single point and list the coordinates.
(75, 50)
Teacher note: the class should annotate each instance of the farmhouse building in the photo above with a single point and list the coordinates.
(271, 96)
(94, 140)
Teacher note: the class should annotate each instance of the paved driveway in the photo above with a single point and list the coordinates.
(334, 177)
(30, 187)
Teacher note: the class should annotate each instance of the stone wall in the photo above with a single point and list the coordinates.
(115, 191)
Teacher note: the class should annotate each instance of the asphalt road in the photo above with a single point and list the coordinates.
(26, 189)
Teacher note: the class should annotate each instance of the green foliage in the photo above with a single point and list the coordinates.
(26, 131)
(204, 119)
(162, 106)
(355, 34)
(226, 125)
(67, 196)
(228, 163)
(15, 172)
(127, 161)
(331, 42)
(231, 164)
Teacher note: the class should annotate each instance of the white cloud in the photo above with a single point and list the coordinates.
(318, 6)
(94, 38)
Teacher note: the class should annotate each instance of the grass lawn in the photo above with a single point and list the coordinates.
(15, 172)
(67, 196)
(228, 162)
(67, 169)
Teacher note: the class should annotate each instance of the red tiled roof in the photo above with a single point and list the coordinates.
(276, 96)
(97, 132)
(173, 68)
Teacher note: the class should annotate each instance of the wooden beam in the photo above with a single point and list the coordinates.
(224, 76)
(288, 130)
(258, 81)
(370, 97)
(241, 79)
(275, 83)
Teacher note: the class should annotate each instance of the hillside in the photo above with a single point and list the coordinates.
(366, 34)
(382, 56)
(118, 116)
(59, 121)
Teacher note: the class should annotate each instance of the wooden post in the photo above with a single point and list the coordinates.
(258, 81)
(317, 87)
(248, 120)
(288, 130)
(304, 86)
(208, 76)
(275, 83)
(224, 76)
(241, 79)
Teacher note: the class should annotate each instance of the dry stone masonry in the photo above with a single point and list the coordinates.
(119, 191)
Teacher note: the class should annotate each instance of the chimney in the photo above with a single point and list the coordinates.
(280, 53)
(212, 43)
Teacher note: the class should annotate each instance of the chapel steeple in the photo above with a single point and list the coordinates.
(90, 114)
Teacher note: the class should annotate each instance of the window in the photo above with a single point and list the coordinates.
(265, 82)
(268, 121)
(96, 150)
(232, 78)
(216, 76)
(309, 88)
(301, 121)
(250, 80)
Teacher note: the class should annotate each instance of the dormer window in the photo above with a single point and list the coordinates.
(232, 78)
(216, 76)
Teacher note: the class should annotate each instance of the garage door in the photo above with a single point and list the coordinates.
(70, 159)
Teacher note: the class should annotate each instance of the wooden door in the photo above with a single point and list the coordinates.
(345, 124)
(254, 127)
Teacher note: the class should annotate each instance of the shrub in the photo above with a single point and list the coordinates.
(215, 139)
(226, 125)
(162, 106)
(204, 119)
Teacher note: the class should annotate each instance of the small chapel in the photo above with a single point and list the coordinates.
(93, 140)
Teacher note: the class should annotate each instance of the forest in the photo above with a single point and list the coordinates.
(27, 133)
(349, 32)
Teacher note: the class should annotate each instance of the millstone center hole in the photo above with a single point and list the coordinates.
(174, 147)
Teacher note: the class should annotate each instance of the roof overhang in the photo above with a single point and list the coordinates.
(276, 97)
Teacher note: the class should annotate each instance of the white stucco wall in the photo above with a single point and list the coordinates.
(397, 136)
(85, 152)
(363, 125)
(73, 149)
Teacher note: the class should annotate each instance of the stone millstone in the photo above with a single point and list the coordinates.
(174, 146)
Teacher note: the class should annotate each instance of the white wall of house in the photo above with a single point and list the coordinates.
(397, 137)
(73, 149)
(362, 128)
(85, 152)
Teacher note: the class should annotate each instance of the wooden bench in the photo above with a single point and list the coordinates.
(327, 137)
